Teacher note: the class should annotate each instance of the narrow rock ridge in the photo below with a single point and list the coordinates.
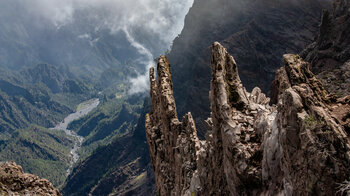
(172, 144)
(297, 147)
(13, 181)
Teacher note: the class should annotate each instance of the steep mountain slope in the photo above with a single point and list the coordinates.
(33, 96)
(20, 107)
(31, 99)
(113, 118)
(258, 33)
(329, 55)
(40, 151)
(298, 147)
(56, 79)
(119, 168)
(108, 54)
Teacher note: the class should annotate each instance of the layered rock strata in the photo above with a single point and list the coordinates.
(297, 147)
(14, 182)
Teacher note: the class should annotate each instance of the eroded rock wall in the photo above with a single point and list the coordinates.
(296, 147)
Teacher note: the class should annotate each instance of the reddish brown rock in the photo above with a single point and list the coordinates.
(14, 182)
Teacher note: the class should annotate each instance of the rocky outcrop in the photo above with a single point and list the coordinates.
(173, 144)
(13, 181)
(298, 147)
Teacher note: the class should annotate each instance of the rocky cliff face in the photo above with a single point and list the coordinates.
(256, 32)
(298, 147)
(330, 53)
(13, 181)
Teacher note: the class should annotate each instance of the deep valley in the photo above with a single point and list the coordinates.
(187, 97)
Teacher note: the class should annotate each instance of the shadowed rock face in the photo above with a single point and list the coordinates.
(256, 32)
(329, 55)
(298, 147)
(13, 181)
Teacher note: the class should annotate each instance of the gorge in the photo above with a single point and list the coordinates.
(86, 107)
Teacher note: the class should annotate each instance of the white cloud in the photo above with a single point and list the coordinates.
(84, 36)
(59, 12)
(163, 18)
(140, 83)
(87, 37)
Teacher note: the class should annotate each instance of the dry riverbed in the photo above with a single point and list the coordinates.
(82, 110)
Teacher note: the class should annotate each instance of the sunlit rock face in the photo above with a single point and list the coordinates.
(297, 147)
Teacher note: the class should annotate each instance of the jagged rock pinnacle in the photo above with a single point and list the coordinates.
(297, 147)
(172, 143)
(225, 75)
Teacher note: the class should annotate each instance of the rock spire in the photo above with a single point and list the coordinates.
(297, 147)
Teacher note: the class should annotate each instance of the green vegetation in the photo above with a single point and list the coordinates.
(33, 98)
(70, 100)
(84, 104)
(44, 95)
(311, 122)
(19, 111)
(112, 119)
(41, 95)
(40, 151)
